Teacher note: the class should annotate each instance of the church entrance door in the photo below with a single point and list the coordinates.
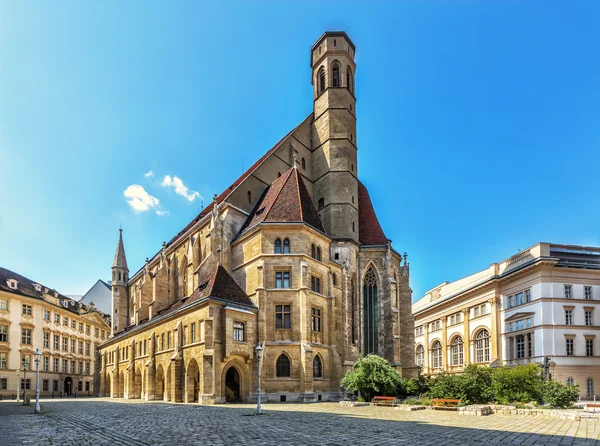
(232, 385)
(68, 386)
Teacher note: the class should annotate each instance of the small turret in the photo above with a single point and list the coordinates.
(120, 276)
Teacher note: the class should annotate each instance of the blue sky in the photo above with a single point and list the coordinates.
(478, 122)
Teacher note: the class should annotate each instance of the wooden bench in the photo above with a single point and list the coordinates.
(384, 401)
(444, 403)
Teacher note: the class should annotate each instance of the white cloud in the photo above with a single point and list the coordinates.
(149, 174)
(162, 213)
(139, 199)
(180, 188)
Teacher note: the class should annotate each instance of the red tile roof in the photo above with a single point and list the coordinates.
(370, 232)
(286, 200)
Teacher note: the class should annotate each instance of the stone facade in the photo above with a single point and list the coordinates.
(298, 234)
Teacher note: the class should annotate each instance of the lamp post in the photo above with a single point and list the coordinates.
(18, 383)
(259, 352)
(38, 356)
(24, 383)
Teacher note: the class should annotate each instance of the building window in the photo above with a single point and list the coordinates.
(321, 80)
(589, 318)
(303, 162)
(587, 292)
(283, 367)
(56, 318)
(286, 246)
(283, 317)
(87, 329)
(3, 364)
(278, 246)
(80, 347)
(55, 364)
(420, 356)
(282, 279)
(238, 331)
(26, 336)
(192, 334)
(65, 366)
(73, 345)
(25, 384)
(316, 319)
(46, 315)
(46, 340)
(319, 253)
(3, 383)
(349, 82)
(88, 347)
(589, 347)
(436, 355)
(27, 309)
(482, 346)
(96, 331)
(520, 346)
(371, 313)
(321, 203)
(313, 251)
(317, 367)
(73, 324)
(3, 333)
(334, 279)
(569, 347)
(249, 197)
(315, 284)
(570, 381)
(457, 351)
(335, 75)
(3, 305)
(590, 387)
(568, 317)
(568, 291)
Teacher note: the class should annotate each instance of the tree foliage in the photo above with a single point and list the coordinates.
(559, 395)
(371, 376)
(471, 387)
(522, 383)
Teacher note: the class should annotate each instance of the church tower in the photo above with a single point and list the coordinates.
(120, 275)
(334, 135)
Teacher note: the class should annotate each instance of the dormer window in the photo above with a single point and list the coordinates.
(12, 284)
(38, 287)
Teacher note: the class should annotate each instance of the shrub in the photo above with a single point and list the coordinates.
(471, 387)
(559, 395)
(407, 387)
(372, 375)
(521, 383)
(412, 401)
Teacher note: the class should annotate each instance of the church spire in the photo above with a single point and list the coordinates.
(120, 259)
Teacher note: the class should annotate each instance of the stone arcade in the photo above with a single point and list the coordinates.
(290, 256)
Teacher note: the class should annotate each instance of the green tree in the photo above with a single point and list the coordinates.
(517, 384)
(559, 395)
(471, 387)
(371, 376)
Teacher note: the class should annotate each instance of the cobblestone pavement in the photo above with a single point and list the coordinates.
(104, 421)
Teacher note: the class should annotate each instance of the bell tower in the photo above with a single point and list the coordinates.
(333, 135)
(120, 276)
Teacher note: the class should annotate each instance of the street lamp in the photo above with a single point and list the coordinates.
(38, 356)
(24, 383)
(259, 352)
(18, 383)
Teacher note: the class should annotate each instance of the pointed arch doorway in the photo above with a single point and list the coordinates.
(232, 386)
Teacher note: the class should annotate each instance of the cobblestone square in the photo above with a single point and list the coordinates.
(100, 421)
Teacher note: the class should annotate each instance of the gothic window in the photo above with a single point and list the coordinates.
(436, 355)
(420, 356)
(457, 351)
(482, 346)
(349, 80)
(313, 251)
(335, 76)
(283, 367)
(317, 367)
(278, 246)
(321, 80)
(238, 332)
(334, 279)
(371, 313)
(318, 253)
(286, 246)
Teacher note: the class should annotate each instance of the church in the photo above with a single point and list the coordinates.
(290, 257)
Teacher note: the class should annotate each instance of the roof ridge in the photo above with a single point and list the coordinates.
(299, 196)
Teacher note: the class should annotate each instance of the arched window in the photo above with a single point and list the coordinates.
(570, 381)
(318, 253)
(313, 252)
(371, 315)
(317, 367)
(335, 75)
(286, 246)
(278, 246)
(321, 80)
(303, 164)
(456, 350)
(482, 346)
(436, 355)
(249, 197)
(420, 356)
(353, 309)
(589, 384)
(349, 80)
(283, 367)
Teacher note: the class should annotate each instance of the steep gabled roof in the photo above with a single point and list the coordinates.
(370, 232)
(285, 200)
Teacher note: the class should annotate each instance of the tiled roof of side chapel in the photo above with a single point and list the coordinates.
(370, 232)
(285, 200)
